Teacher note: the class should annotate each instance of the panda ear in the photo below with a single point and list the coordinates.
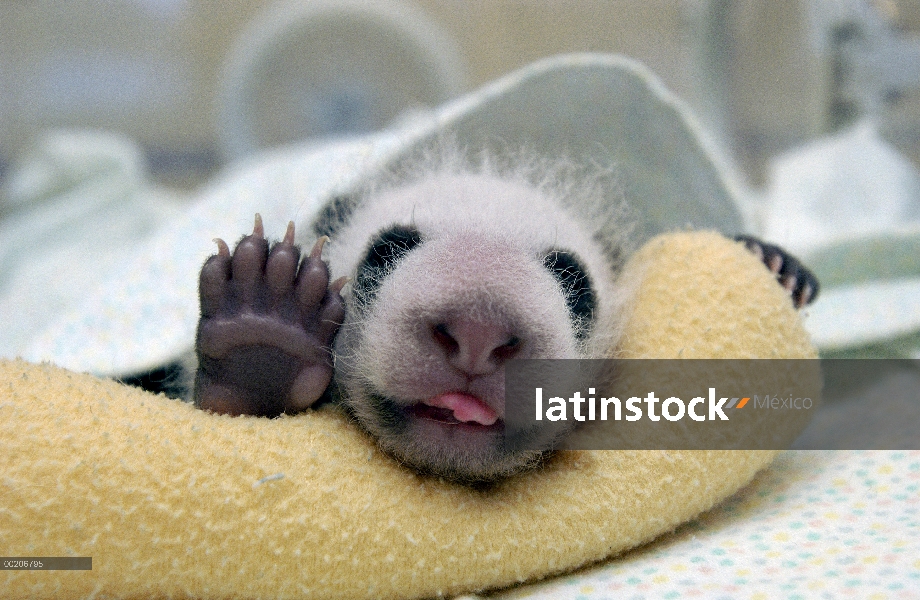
(576, 285)
(385, 250)
(333, 215)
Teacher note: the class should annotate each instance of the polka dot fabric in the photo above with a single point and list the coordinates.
(841, 524)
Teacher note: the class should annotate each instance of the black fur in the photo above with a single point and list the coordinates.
(166, 380)
(579, 292)
(384, 252)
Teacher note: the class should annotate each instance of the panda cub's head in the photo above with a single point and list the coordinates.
(455, 274)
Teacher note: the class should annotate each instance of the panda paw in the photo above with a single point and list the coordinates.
(267, 323)
(801, 283)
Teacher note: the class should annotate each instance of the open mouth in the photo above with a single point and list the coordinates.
(456, 408)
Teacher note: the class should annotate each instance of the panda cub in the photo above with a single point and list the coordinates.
(428, 287)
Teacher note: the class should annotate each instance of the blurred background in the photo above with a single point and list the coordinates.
(197, 83)
(113, 113)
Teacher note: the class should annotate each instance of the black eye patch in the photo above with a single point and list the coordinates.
(386, 249)
(576, 285)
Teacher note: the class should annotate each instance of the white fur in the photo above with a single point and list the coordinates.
(485, 233)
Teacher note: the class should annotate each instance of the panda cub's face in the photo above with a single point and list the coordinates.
(465, 274)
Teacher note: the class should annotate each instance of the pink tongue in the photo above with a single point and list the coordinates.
(466, 408)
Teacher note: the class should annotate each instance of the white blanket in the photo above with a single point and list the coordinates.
(136, 305)
(813, 525)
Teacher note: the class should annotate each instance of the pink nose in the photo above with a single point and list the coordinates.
(474, 347)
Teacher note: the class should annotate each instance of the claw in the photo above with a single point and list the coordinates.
(257, 229)
(804, 296)
(289, 234)
(222, 248)
(318, 247)
(336, 286)
(775, 263)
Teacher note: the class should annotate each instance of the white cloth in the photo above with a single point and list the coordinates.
(70, 210)
(599, 108)
(813, 525)
(849, 204)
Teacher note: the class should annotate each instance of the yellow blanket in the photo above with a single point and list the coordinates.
(174, 502)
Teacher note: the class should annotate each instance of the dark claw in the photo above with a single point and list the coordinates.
(790, 272)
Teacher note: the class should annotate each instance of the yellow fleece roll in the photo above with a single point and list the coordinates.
(170, 501)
